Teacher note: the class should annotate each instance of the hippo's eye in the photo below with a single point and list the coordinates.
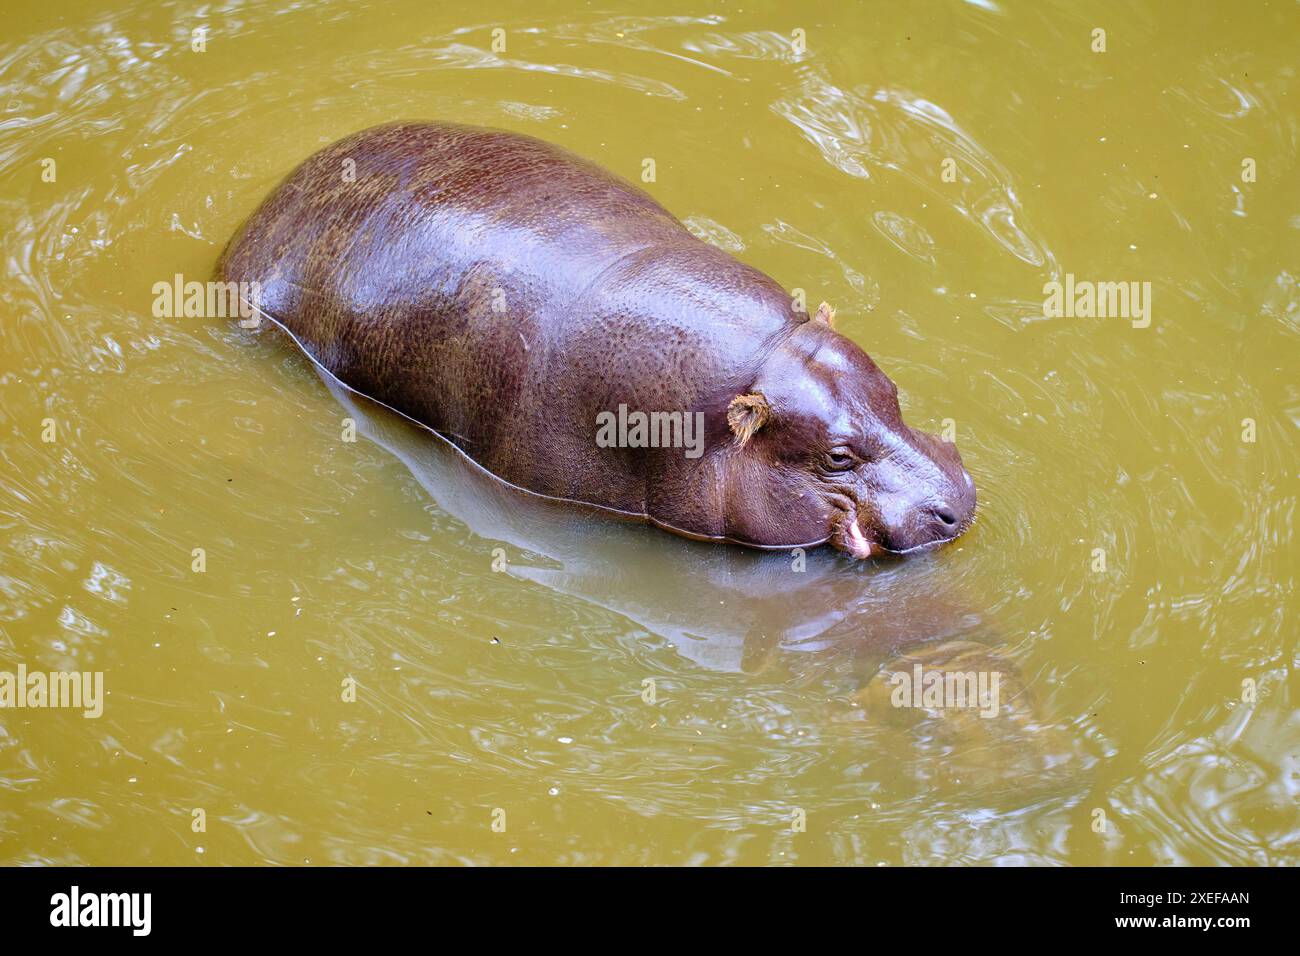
(840, 459)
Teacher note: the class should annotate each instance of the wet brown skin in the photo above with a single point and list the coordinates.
(505, 292)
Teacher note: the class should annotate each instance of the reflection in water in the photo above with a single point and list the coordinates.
(723, 608)
(730, 609)
(1131, 574)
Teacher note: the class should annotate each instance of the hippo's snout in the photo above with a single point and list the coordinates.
(955, 512)
(924, 497)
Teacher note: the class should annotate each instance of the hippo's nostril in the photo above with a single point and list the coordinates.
(944, 514)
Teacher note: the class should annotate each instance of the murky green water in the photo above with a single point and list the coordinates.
(1132, 571)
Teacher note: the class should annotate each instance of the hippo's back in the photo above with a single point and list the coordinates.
(503, 291)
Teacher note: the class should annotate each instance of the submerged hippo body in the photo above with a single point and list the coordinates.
(512, 296)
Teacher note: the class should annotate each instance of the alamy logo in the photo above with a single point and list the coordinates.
(75, 908)
(179, 299)
(83, 690)
(1098, 300)
(943, 690)
(651, 430)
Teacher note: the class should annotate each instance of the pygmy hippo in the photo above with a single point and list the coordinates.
(569, 335)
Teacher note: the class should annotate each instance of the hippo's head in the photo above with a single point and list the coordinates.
(822, 453)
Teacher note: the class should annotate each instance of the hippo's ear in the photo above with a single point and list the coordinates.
(825, 315)
(747, 414)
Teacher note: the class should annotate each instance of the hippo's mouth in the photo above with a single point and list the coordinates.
(848, 537)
